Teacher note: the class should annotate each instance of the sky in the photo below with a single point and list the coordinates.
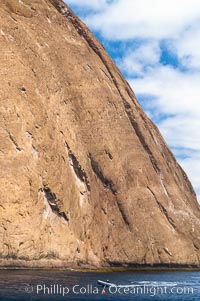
(156, 45)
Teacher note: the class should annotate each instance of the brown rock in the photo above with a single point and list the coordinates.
(86, 178)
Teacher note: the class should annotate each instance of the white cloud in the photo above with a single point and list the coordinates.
(128, 19)
(174, 92)
(135, 61)
(181, 131)
(187, 47)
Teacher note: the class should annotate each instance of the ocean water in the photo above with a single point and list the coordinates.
(64, 285)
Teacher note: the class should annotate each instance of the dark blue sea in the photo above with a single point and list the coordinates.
(63, 285)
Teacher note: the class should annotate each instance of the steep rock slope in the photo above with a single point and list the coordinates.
(86, 177)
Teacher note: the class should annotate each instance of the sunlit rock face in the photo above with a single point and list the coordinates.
(86, 177)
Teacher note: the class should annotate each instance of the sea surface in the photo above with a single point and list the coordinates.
(64, 285)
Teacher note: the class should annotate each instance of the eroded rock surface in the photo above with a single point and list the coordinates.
(86, 177)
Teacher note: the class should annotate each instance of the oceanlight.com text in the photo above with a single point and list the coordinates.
(151, 290)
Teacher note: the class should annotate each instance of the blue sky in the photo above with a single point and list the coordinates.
(156, 45)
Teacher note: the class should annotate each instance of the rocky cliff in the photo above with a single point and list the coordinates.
(86, 177)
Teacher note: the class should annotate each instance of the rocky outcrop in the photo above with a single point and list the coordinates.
(86, 177)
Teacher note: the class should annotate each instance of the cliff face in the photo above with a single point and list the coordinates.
(86, 177)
